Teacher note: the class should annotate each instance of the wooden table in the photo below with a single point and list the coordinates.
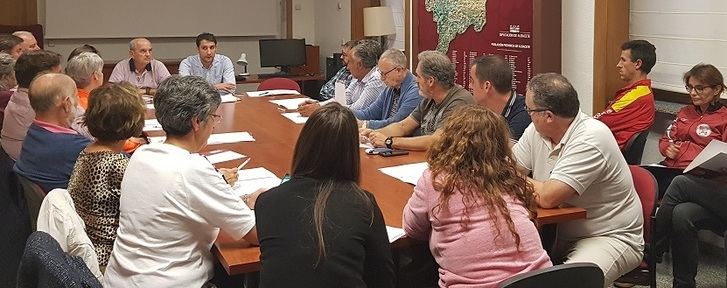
(254, 78)
(275, 138)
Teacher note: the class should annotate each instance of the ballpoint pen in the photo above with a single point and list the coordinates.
(243, 164)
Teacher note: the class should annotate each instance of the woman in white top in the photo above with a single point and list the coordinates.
(173, 202)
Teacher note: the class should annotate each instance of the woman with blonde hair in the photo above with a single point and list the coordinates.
(473, 206)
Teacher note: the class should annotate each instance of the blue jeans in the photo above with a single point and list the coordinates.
(690, 204)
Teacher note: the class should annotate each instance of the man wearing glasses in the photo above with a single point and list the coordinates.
(399, 98)
(632, 110)
(575, 161)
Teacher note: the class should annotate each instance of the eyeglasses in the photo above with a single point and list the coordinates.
(698, 88)
(531, 111)
(217, 118)
(383, 75)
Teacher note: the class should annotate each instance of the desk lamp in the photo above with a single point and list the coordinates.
(243, 62)
(379, 21)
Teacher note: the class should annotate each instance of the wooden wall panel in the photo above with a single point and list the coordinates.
(611, 30)
(547, 23)
(19, 12)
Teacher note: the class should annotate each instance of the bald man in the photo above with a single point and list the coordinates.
(29, 42)
(51, 147)
(141, 69)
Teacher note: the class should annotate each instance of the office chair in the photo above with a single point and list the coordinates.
(634, 148)
(279, 83)
(647, 188)
(570, 275)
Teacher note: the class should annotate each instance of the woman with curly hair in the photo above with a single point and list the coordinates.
(473, 206)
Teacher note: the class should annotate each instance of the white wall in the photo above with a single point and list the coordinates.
(304, 20)
(333, 26)
(577, 48)
(166, 48)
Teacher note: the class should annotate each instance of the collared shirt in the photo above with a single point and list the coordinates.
(361, 93)
(588, 160)
(328, 90)
(516, 116)
(154, 73)
(48, 154)
(18, 117)
(164, 238)
(378, 113)
(221, 70)
(431, 115)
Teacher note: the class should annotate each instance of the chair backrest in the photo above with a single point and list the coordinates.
(34, 196)
(279, 83)
(647, 189)
(634, 148)
(58, 218)
(570, 275)
(14, 222)
(44, 264)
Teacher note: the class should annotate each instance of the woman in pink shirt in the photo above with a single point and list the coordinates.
(473, 206)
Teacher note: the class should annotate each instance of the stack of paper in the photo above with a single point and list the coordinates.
(228, 98)
(713, 158)
(296, 117)
(250, 180)
(221, 138)
(289, 104)
(220, 156)
(272, 93)
(394, 233)
(152, 125)
(409, 173)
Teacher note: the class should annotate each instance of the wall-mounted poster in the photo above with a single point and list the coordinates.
(466, 29)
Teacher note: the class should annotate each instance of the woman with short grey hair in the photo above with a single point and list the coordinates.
(7, 72)
(173, 201)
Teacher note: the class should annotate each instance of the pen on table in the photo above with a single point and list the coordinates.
(264, 93)
(243, 164)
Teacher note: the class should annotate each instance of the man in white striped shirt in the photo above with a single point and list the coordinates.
(366, 85)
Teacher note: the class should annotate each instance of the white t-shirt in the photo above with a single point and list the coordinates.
(172, 206)
(588, 160)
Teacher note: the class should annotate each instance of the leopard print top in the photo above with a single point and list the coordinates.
(95, 187)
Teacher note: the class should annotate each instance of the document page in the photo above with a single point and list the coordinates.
(295, 117)
(394, 233)
(250, 180)
(275, 92)
(289, 104)
(340, 93)
(713, 157)
(409, 173)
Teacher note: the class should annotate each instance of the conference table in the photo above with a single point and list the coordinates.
(275, 138)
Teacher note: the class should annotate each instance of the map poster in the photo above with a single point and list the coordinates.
(466, 29)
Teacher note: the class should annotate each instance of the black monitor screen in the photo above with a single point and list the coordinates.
(282, 52)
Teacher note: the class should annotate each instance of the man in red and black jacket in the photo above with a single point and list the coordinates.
(632, 110)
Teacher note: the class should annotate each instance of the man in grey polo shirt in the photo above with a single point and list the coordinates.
(435, 77)
(575, 161)
(216, 68)
(141, 69)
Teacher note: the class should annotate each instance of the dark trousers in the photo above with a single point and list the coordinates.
(689, 205)
(663, 176)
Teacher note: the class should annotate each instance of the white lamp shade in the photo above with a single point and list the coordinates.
(378, 21)
(243, 60)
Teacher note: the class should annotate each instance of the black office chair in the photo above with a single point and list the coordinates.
(634, 148)
(571, 275)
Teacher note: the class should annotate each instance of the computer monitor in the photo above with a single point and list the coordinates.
(282, 53)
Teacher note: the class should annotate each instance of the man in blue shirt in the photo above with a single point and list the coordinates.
(399, 98)
(217, 69)
(491, 84)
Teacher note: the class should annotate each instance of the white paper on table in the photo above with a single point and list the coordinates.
(150, 106)
(272, 93)
(221, 138)
(223, 157)
(296, 117)
(340, 93)
(409, 173)
(232, 137)
(152, 125)
(228, 98)
(394, 233)
(290, 104)
(365, 145)
(713, 157)
(250, 180)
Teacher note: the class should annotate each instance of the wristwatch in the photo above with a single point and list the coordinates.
(389, 142)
